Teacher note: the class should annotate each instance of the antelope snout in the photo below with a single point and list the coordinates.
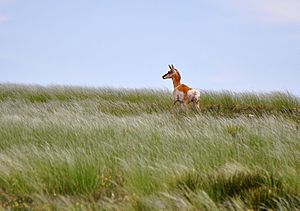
(164, 76)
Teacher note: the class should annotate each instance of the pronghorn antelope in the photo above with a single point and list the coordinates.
(182, 93)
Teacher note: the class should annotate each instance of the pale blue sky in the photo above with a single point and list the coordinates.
(251, 45)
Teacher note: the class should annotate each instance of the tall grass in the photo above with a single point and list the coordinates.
(89, 148)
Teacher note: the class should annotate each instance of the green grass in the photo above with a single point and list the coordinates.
(99, 148)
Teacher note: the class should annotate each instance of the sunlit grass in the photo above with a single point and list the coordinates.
(90, 148)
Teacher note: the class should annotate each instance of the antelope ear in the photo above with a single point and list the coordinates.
(170, 67)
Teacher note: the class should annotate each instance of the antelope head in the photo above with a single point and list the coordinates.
(171, 73)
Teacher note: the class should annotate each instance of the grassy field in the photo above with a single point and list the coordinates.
(85, 148)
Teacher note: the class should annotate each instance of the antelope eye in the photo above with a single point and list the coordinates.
(169, 72)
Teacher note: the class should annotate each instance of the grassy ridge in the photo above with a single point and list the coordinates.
(84, 148)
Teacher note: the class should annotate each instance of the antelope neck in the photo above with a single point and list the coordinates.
(176, 81)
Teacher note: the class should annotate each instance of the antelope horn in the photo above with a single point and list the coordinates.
(170, 67)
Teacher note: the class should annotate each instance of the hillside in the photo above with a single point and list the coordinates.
(90, 148)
